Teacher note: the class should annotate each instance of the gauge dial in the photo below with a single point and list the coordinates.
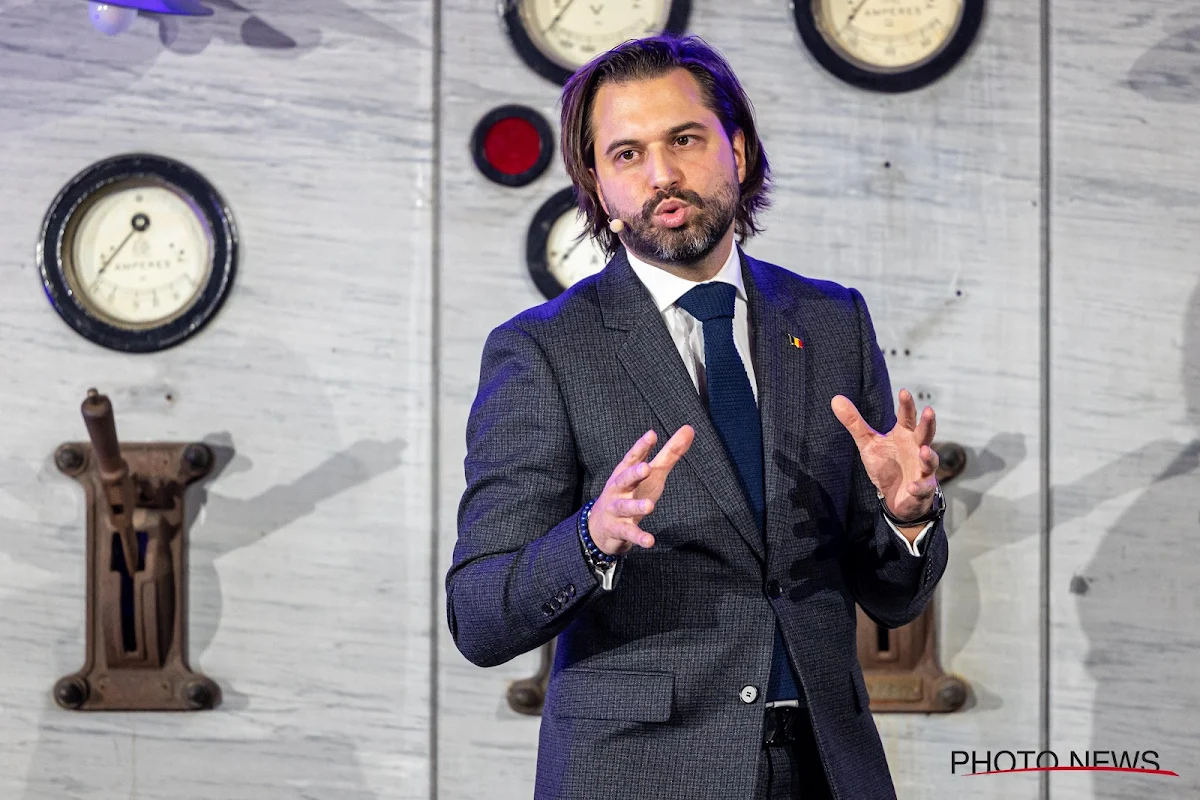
(557, 37)
(137, 252)
(886, 35)
(572, 32)
(569, 258)
(556, 254)
(140, 255)
(888, 45)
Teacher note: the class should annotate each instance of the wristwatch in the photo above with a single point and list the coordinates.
(934, 514)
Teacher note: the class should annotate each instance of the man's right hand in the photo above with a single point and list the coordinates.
(633, 490)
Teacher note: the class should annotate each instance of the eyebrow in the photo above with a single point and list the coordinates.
(678, 129)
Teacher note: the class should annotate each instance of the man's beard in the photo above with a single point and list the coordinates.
(690, 242)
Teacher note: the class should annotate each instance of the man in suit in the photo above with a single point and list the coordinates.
(703, 596)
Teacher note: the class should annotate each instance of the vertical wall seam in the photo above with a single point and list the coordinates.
(435, 334)
(1047, 500)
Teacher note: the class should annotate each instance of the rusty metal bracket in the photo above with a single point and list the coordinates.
(136, 570)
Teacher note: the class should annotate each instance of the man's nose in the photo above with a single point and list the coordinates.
(665, 174)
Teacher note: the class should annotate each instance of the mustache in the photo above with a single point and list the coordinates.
(686, 195)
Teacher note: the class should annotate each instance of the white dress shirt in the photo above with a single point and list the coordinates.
(688, 332)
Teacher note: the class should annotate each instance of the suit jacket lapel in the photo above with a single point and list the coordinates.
(652, 360)
(781, 369)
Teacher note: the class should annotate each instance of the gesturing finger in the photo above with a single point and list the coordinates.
(927, 426)
(929, 460)
(923, 488)
(639, 451)
(906, 414)
(632, 507)
(852, 421)
(674, 449)
(627, 479)
(634, 535)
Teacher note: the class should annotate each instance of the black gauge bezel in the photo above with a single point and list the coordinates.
(538, 237)
(892, 81)
(90, 185)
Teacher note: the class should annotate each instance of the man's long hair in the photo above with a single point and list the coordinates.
(644, 59)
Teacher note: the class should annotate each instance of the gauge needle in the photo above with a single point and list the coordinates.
(853, 14)
(567, 254)
(138, 220)
(554, 21)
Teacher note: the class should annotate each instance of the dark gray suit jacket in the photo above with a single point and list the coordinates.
(644, 696)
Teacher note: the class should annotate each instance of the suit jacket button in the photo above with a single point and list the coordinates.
(554, 603)
(774, 590)
(748, 694)
(571, 590)
(547, 610)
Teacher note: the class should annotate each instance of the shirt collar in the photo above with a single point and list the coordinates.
(666, 288)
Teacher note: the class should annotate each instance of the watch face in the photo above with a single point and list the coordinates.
(888, 45)
(137, 252)
(556, 255)
(557, 37)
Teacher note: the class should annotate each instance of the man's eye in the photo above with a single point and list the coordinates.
(683, 138)
(624, 153)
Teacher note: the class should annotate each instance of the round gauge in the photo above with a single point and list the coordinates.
(137, 252)
(888, 45)
(557, 37)
(556, 255)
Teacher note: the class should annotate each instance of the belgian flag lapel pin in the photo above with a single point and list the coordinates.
(795, 341)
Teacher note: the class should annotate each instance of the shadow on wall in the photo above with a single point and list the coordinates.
(1170, 71)
(1137, 599)
(54, 64)
(272, 756)
(980, 521)
(1137, 604)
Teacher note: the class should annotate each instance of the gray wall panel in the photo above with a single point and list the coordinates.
(484, 748)
(309, 567)
(1125, 392)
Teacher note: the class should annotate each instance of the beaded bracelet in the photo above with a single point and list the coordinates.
(596, 556)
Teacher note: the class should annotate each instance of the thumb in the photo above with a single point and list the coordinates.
(851, 420)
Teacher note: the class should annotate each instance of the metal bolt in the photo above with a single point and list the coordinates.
(197, 456)
(952, 695)
(70, 693)
(199, 696)
(68, 458)
(953, 458)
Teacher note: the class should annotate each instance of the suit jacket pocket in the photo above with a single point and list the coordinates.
(612, 694)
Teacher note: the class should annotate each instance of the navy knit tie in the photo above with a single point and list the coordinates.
(735, 416)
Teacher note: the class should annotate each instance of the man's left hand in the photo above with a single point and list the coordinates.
(901, 464)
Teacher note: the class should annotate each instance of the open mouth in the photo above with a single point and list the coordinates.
(672, 213)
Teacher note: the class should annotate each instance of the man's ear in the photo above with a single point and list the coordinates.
(739, 153)
(599, 194)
